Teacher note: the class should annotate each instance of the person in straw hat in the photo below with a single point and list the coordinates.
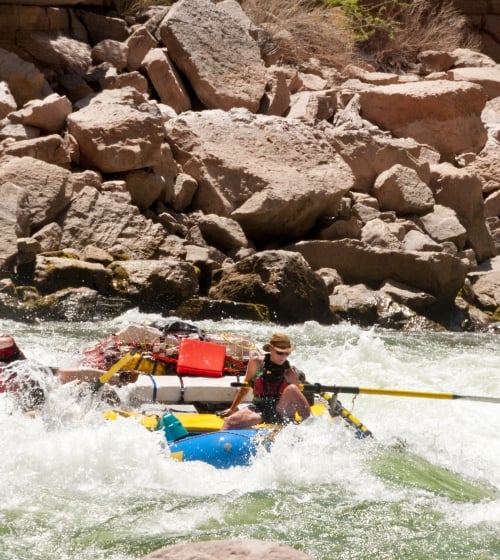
(277, 397)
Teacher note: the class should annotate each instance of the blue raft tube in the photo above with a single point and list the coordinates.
(222, 449)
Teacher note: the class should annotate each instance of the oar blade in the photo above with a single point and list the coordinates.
(495, 400)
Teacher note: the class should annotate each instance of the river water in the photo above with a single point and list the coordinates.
(427, 486)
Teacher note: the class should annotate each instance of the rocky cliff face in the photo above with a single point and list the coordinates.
(170, 162)
(485, 17)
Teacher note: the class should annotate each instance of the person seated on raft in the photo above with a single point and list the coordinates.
(277, 397)
(30, 395)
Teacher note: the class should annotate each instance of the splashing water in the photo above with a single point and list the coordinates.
(75, 486)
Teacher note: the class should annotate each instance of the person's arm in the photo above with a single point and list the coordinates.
(292, 376)
(66, 375)
(89, 375)
(298, 377)
(253, 364)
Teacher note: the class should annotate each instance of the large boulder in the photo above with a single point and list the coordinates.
(155, 183)
(402, 190)
(487, 77)
(216, 53)
(486, 291)
(483, 285)
(461, 190)
(487, 167)
(57, 52)
(370, 154)
(119, 130)
(155, 285)
(361, 305)
(23, 19)
(48, 187)
(108, 221)
(378, 233)
(14, 222)
(101, 26)
(312, 106)
(369, 151)
(73, 304)
(280, 280)
(55, 273)
(24, 79)
(47, 35)
(274, 177)
(223, 233)
(48, 114)
(468, 58)
(139, 43)
(166, 80)
(443, 225)
(439, 274)
(441, 113)
(236, 549)
(50, 149)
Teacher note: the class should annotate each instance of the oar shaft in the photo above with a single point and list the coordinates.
(399, 393)
(403, 393)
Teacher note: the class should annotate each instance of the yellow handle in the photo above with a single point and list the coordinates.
(122, 363)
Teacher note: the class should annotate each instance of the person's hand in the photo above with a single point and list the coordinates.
(227, 412)
(127, 376)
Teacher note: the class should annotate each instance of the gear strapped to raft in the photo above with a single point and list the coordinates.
(173, 349)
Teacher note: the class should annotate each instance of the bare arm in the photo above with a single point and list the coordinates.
(292, 377)
(66, 375)
(252, 367)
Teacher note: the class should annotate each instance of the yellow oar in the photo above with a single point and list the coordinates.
(396, 393)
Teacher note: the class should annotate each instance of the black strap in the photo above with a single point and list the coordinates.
(166, 326)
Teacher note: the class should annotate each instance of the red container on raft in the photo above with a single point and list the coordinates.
(202, 358)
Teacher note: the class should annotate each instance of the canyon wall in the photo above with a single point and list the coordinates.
(485, 17)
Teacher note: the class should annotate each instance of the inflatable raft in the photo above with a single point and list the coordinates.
(193, 436)
(223, 449)
(203, 373)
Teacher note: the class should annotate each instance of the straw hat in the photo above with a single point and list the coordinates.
(280, 342)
